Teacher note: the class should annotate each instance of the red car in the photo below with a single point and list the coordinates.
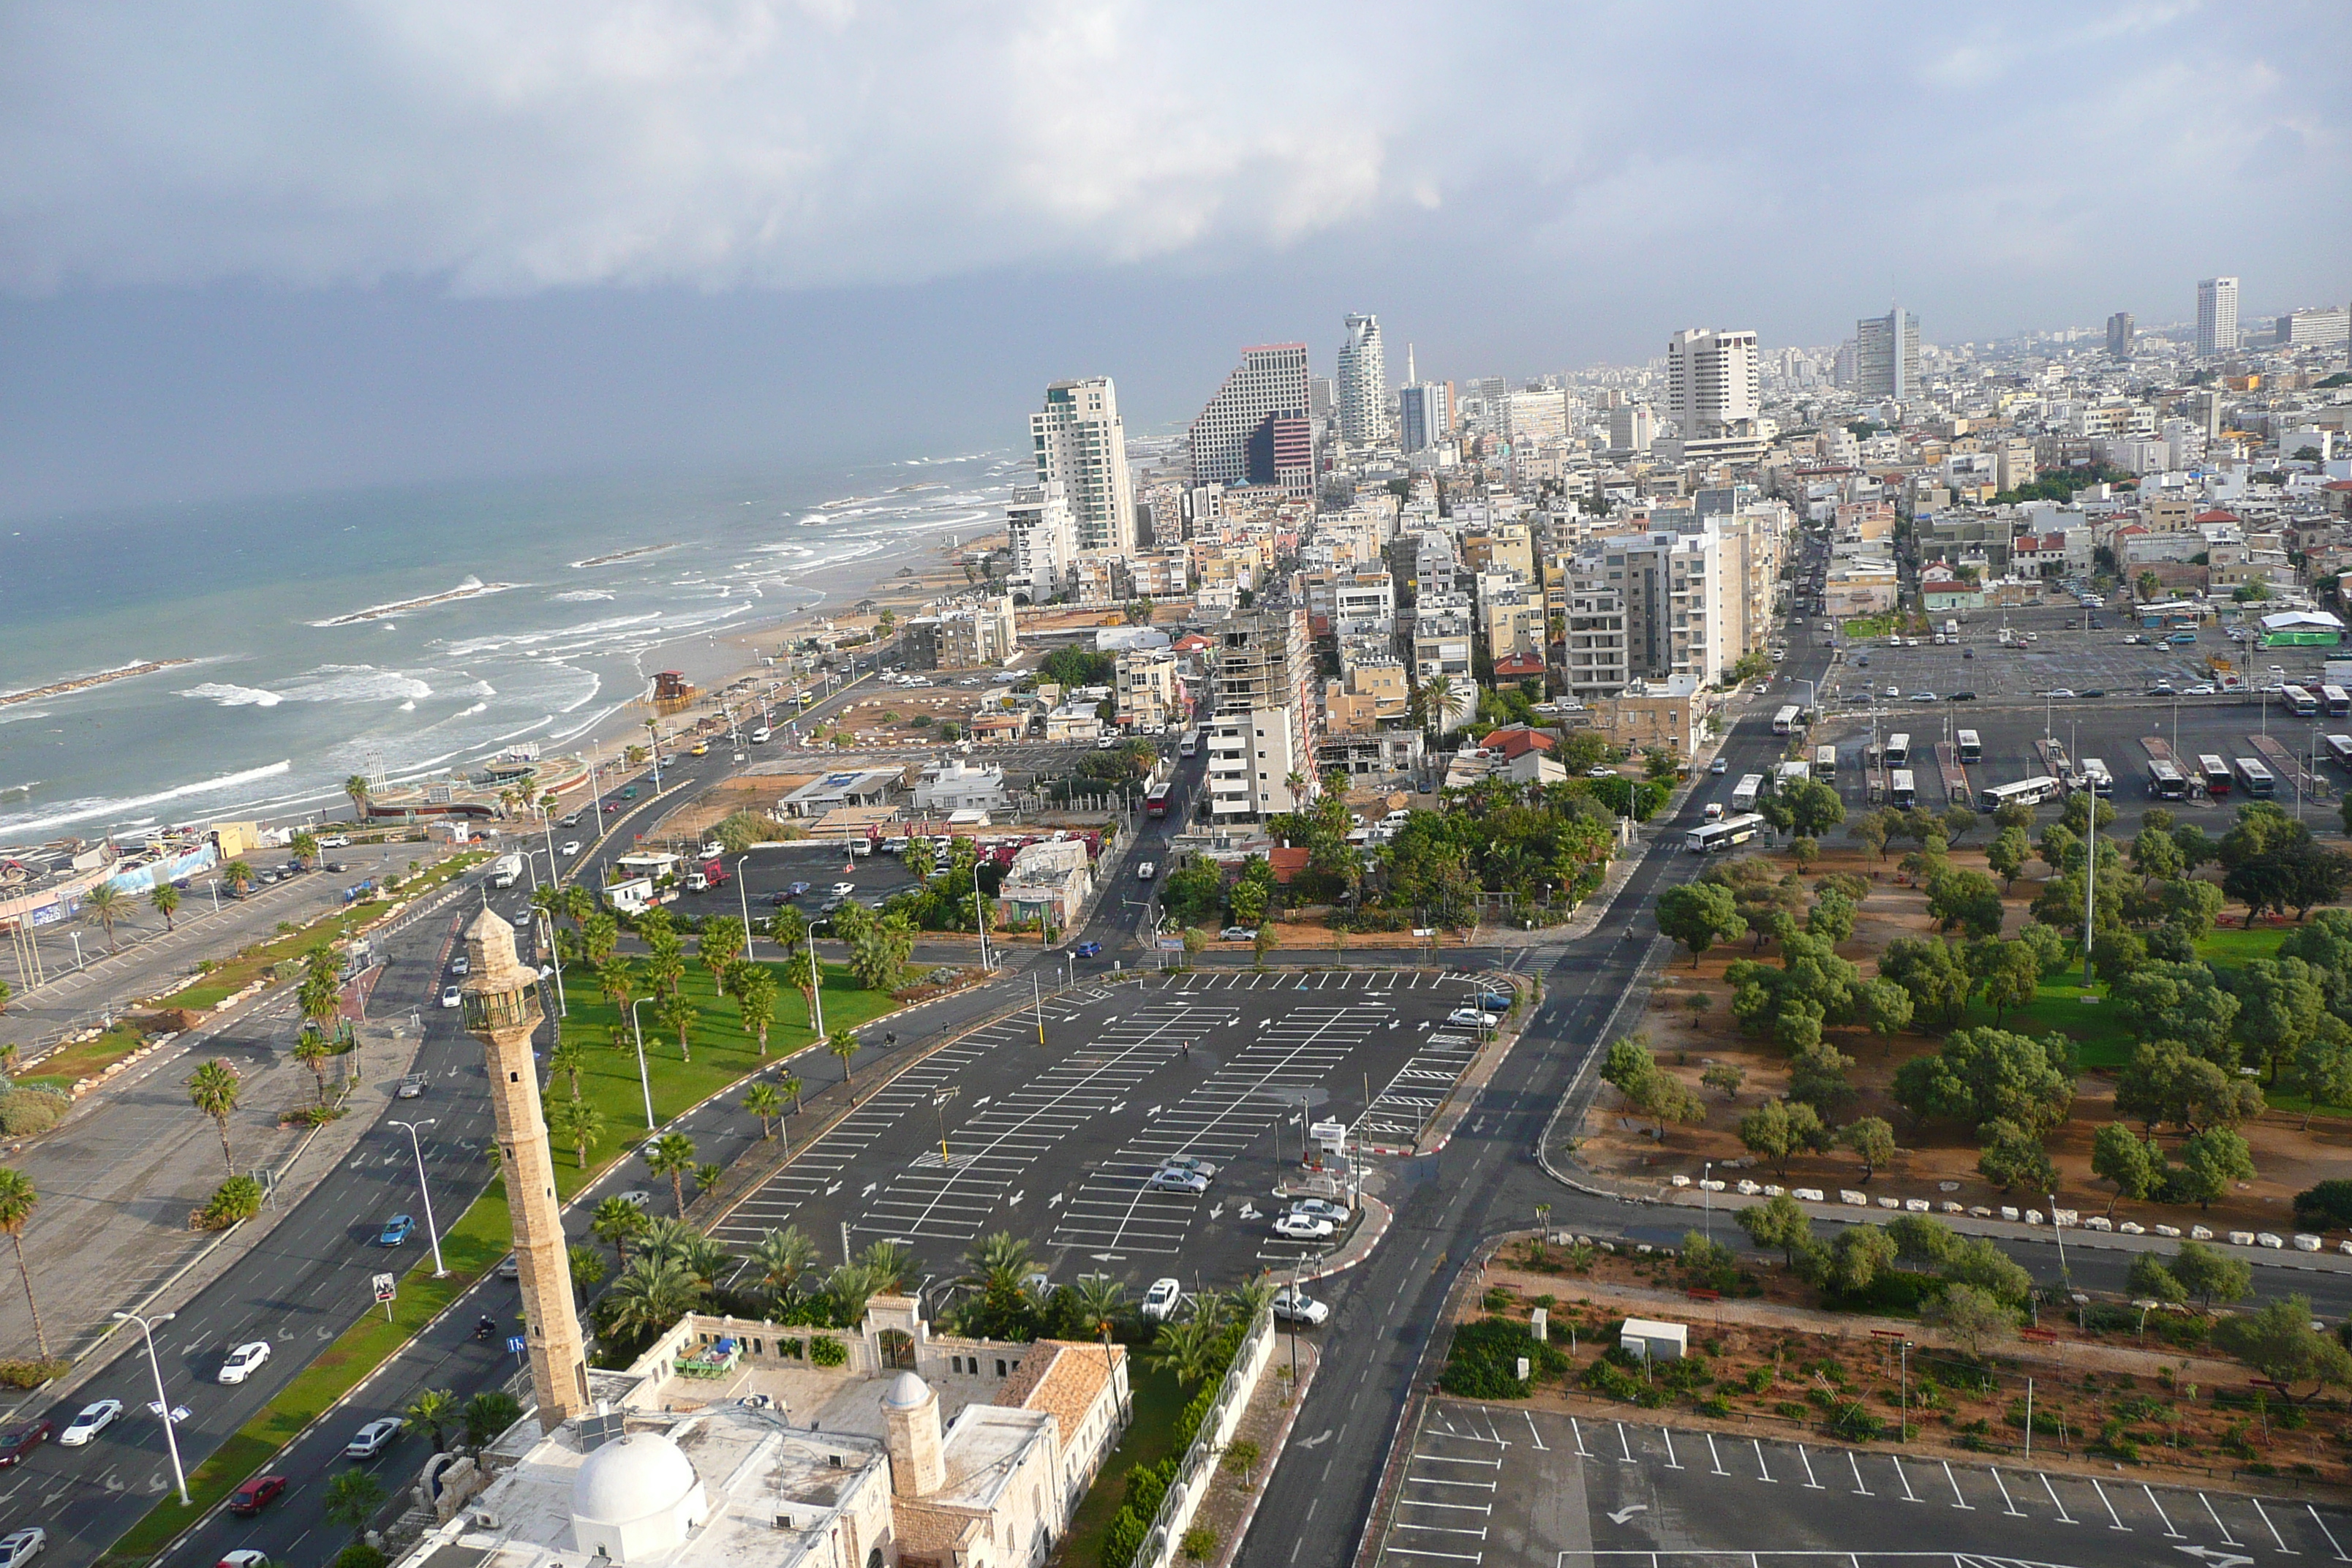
(255, 1495)
(18, 1441)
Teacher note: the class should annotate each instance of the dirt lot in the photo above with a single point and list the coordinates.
(1937, 1162)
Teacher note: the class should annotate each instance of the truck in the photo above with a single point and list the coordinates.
(635, 895)
(709, 875)
(506, 870)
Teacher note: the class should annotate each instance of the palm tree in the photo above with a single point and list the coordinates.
(615, 1220)
(431, 1412)
(313, 1052)
(851, 1288)
(166, 899)
(213, 1089)
(353, 1498)
(1188, 1348)
(579, 903)
(782, 1258)
(238, 876)
(708, 1176)
(800, 974)
(579, 1123)
(566, 1057)
(789, 1087)
(755, 1000)
(672, 1155)
(763, 1102)
(674, 1012)
(305, 847)
(18, 1199)
(998, 1261)
(887, 1265)
(919, 861)
(651, 1294)
(1100, 1300)
(719, 945)
(356, 786)
(493, 1410)
(599, 935)
(588, 1270)
(104, 904)
(843, 1042)
(619, 984)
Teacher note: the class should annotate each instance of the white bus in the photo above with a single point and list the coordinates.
(1898, 749)
(1785, 722)
(1972, 747)
(2215, 772)
(1824, 760)
(1788, 774)
(1744, 792)
(2032, 791)
(1901, 790)
(2299, 702)
(1714, 836)
(2254, 778)
(2097, 779)
(2338, 701)
(2165, 780)
(1187, 744)
(2339, 751)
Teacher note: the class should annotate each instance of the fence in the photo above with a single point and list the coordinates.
(1199, 1468)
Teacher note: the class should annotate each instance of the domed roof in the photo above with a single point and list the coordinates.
(907, 1392)
(633, 1477)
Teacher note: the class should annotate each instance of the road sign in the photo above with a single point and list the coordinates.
(514, 1344)
(387, 1287)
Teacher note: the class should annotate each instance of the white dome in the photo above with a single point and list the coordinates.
(632, 1478)
(907, 1392)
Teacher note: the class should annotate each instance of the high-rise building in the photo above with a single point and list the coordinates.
(1424, 416)
(1270, 384)
(2217, 317)
(1044, 540)
(1535, 416)
(1262, 692)
(1886, 355)
(1711, 381)
(2306, 329)
(1363, 384)
(1081, 446)
(1632, 428)
(2119, 334)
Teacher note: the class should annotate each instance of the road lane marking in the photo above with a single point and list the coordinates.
(1581, 1452)
(1533, 1434)
(1672, 1463)
(1626, 1455)
(1804, 1458)
(1761, 1468)
(1716, 1456)
(2327, 1532)
(1856, 1463)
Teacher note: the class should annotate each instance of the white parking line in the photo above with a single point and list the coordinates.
(1958, 1500)
(1537, 1437)
(1716, 1456)
(2063, 1518)
(1856, 1463)
(2327, 1532)
(2227, 1539)
(2115, 1520)
(1761, 1468)
(1806, 1460)
(1626, 1458)
(1909, 1494)
(1672, 1463)
(2284, 1550)
(2161, 1513)
(1582, 1451)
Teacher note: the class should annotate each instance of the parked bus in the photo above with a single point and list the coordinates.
(2340, 750)
(2299, 702)
(2215, 772)
(1900, 789)
(1785, 722)
(2097, 779)
(1787, 774)
(1744, 792)
(1714, 836)
(2255, 778)
(1898, 750)
(2032, 791)
(1824, 760)
(2165, 780)
(2337, 699)
(1972, 747)
(1188, 744)
(1155, 800)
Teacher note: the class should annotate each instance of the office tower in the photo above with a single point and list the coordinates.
(1886, 355)
(1081, 446)
(2314, 327)
(1426, 416)
(1712, 380)
(2119, 334)
(1262, 690)
(1632, 428)
(2217, 317)
(1363, 384)
(1532, 417)
(500, 998)
(1269, 384)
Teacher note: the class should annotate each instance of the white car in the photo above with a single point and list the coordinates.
(22, 1547)
(2203, 688)
(1719, 767)
(1471, 1018)
(92, 1420)
(1601, 773)
(843, 889)
(1302, 1227)
(373, 1438)
(243, 1360)
(712, 850)
(1713, 812)
(2060, 692)
(1893, 691)
(244, 1557)
(636, 1198)
(1159, 1303)
(1320, 1208)
(449, 996)
(1189, 1182)
(571, 847)
(1145, 872)
(459, 964)
(1300, 1308)
(1192, 1163)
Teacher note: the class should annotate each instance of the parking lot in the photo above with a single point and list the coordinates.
(1058, 1143)
(1486, 1485)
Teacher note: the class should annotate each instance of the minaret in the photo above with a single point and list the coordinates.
(501, 1002)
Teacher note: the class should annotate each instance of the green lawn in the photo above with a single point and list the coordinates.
(1151, 1437)
(2101, 1036)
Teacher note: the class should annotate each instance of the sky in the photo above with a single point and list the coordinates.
(258, 248)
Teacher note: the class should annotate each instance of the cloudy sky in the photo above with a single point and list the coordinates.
(248, 248)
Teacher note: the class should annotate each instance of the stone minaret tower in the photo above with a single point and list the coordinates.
(501, 1001)
(917, 1460)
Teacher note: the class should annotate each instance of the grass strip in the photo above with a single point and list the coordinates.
(1158, 1399)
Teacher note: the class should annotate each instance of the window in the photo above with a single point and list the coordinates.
(999, 1367)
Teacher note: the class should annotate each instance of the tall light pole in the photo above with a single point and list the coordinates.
(2090, 882)
(644, 1081)
(162, 1400)
(816, 979)
(424, 1189)
(743, 897)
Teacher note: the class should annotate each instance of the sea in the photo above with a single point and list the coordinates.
(405, 633)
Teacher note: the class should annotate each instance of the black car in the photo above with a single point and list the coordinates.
(1961, 696)
(2093, 691)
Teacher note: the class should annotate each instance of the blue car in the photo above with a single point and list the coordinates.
(1087, 950)
(396, 1230)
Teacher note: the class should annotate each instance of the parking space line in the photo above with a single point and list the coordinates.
(1909, 1494)
(1449, 1556)
(2227, 1539)
(2116, 1519)
(2064, 1517)
(1805, 1459)
(2006, 1501)
(2327, 1532)
(1438, 1481)
(1581, 1452)
(1672, 1463)
(1442, 1529)
(1716, 1456)
(1534, 1435)
(1457, 1507)
(2161, 1513)
(1856, 1463)
(1761, 1465)
(1958, 1500)
(1627, 1456)
(2284, 1550)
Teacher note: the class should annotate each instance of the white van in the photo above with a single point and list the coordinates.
(761, 734)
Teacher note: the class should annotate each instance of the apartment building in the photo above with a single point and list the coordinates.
(978, 634)
(1260, 733)
(1444, 628)
(1148, 689)
(1081, 446)
(1044, 540)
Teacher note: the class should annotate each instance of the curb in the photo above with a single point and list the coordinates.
(1232, 1549)
(1385, 1216)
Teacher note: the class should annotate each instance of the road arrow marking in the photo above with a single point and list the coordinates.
(1115, 1110)
(833, 1189)
(1628, 1511)
(1016, 1199)
(1317, 1441)
(1216, 1211)
(2218, 1559)
(1055, 1202)
(870, 1189)
(1150, 1113)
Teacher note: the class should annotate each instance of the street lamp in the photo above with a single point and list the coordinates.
(644, 1081)
(424, 1189)
(1706, 1200)
(162, 1400)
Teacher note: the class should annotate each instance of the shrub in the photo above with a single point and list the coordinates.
(2327, 1207)
(26, 1111)
(360, 1554)
(239, 1198)
(32, 1374)
(827, 1351)
(1483, 1363)
(1200, 1542)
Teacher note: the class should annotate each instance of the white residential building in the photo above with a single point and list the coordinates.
(1081, 446)
(1363, 383)
(1261, 733)
(1713, 381)
(2217, 317)
(1044, 540)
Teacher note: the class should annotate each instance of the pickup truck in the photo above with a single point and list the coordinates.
(709, 875)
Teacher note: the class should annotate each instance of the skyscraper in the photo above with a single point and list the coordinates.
(1713, 380)
(1081, 446)
(2217, 317)
(1269, 384)
(1363, 384)
(1886, 355)
(1425, 416)
(2119, 334)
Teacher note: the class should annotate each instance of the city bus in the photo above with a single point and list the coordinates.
(1155, 800)
(2032, 791)
(1898, 750)
(2338, 701)
(2215, 772)
(1714, 836)
(1972, 747)
(2097, 779)
(2255, 778)
(1744, 792)
(2299, 702)
(2340, 750)
(1824, 760)
(1787, 774)
(2165, 780)
(1188, 744)
(1785, 722)
(1900, 789)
